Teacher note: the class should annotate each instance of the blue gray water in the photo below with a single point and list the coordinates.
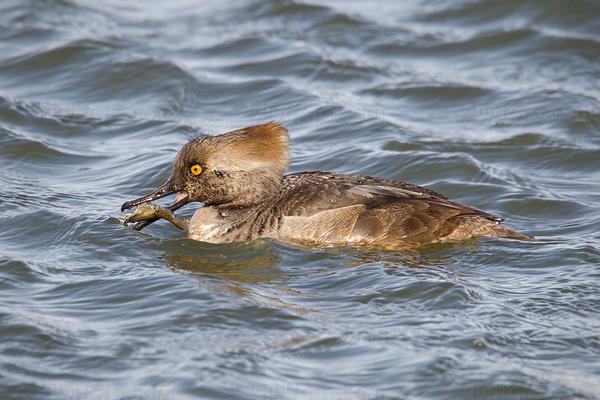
(494, 103)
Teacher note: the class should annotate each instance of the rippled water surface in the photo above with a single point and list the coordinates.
(494, 103)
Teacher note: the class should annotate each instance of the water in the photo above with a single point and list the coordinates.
(495, 104)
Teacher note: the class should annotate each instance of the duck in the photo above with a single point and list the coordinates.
(239, 178)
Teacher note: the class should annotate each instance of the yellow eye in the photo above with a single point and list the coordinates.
(196, 169)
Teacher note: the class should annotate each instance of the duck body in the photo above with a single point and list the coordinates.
(318, 208)
(247, 198)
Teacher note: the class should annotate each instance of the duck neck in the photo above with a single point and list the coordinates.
(254, 192)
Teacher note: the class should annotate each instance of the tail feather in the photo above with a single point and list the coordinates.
(481, 227)
(504, 232)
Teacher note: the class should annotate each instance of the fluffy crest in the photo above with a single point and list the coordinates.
(253, 148)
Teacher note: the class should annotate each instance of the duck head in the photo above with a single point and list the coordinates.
(234, 169)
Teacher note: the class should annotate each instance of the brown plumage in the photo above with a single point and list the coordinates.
(247, 197)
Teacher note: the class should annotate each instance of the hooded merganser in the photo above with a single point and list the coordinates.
(239, 177)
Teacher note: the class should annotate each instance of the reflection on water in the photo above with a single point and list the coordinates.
(255, 271)
(251, 262)
(237, 268)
